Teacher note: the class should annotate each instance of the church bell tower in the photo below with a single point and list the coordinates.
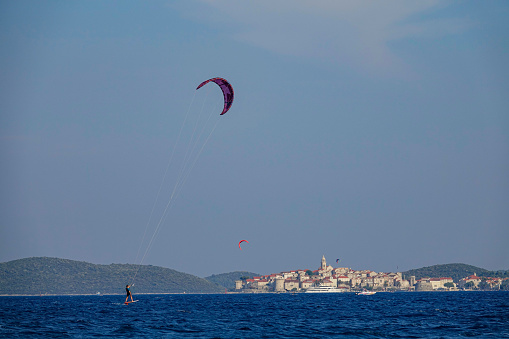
(324, 263)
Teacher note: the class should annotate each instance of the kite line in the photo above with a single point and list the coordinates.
(193, 150)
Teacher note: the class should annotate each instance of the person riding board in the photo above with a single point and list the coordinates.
(128, 291)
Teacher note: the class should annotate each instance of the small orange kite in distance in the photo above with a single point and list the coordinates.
(242, 241)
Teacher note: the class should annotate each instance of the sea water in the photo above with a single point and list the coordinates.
(331, 315)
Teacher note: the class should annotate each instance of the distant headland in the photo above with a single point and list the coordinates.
(45, 276)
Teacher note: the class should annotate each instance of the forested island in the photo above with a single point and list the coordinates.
(455, 271)
(42, 275)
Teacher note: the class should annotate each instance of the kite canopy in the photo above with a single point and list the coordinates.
(337, 260)
(227, 92)
(242, 241)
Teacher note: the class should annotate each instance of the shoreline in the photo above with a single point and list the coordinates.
(243, 293)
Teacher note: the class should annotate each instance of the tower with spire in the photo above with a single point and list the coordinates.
(324, 263)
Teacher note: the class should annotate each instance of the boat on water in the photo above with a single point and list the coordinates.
(365, 293)
(324, 289)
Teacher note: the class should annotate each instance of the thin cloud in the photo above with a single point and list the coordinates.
(351, 33)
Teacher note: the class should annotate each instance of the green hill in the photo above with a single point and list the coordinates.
(495, 274)
(228, 279)
(454, 271)
(44, 275)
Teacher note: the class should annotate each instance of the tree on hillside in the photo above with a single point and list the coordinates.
(455, 271)
(483, 285)
(469, 285)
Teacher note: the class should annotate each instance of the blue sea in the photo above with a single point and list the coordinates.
(343, 315)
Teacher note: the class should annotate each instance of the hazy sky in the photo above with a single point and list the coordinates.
(376, 132)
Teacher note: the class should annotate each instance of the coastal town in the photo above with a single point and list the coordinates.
(329, 279)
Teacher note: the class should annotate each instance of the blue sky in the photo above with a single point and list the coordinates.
(374, 132)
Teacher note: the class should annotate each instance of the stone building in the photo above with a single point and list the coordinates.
(280, 285)
(432, 284)
(423, 285)
(307, 283)
(473, 278)
(291, 284)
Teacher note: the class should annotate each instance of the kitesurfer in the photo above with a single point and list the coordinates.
(128, 291)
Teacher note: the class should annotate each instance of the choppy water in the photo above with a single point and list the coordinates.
(383, 315)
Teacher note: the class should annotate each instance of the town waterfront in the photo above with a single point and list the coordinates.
(285, 315)
(343, 279)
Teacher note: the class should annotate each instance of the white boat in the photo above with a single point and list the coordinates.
(324, 289)
(366, 293)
